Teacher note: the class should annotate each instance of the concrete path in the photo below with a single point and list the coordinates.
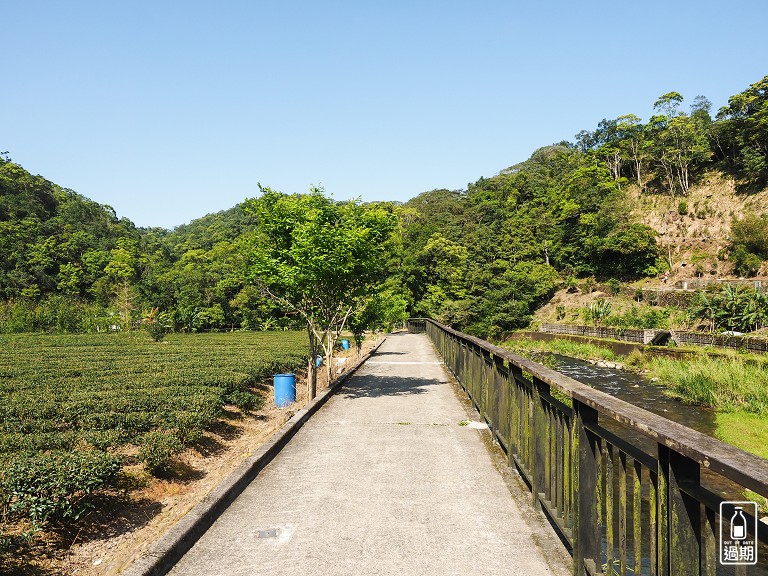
(383, 480)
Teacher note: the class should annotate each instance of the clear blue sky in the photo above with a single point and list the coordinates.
(168, 110)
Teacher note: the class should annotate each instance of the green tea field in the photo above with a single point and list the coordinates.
(74, 409)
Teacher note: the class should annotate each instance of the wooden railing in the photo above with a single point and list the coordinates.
(622, 510)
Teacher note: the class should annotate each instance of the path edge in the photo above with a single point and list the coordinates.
(169, 549)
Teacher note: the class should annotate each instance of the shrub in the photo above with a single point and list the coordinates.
(614, 285)
(627, 251)
(751, 232)
(682, 208)
(245, 400)
(600, 310)
(156, 324)
(50, 486)
(638, 318)
(745, 263)
(157, 450)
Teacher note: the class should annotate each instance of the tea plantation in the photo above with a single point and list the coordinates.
(72, 406)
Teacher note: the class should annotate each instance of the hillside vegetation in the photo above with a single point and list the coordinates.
(627, 201)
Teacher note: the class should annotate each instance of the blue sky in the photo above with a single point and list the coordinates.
(168, 110)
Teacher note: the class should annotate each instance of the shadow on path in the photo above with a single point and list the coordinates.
(373, 386)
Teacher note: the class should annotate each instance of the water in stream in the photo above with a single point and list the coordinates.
(637, 390)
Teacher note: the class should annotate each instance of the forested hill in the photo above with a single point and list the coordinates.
(53, 240)
(70, 264)
(482, 259)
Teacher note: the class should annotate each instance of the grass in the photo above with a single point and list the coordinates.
(748, 431)
(725, 384)
(582, 350)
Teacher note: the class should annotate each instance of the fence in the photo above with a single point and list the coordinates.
(636, 335)
(727, 341)
(623, 511)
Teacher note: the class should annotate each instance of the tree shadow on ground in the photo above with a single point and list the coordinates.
(225, 430)
(377, 386)
(182, 472)
(388, 353)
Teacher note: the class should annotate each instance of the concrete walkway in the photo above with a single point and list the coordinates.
(383, 480)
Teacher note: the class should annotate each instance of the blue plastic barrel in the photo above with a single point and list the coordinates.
(345, 344)
(318, 361)
(285, 389)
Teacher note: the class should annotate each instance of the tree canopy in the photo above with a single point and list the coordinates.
(320, 259)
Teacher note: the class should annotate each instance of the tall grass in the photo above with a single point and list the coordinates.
(727, 384)
(582, 350)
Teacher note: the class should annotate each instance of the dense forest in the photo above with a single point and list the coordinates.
(482, 259)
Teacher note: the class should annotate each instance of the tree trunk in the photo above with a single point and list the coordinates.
(312, 379)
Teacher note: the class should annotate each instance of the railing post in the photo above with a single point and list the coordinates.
(679, 515)
(516, 416)
(540, 439)
(487, 381)
(500, 400)
(585, 486)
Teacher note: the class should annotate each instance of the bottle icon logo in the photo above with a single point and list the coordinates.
(738, 525)
(738, 533)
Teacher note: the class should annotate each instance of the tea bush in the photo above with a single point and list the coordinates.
(68, 401)
(54, 485)
(157, 449)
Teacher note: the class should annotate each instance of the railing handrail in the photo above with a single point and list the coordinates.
(748, 470)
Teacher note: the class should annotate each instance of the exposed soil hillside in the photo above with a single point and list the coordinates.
(693, 229)
(694, 233)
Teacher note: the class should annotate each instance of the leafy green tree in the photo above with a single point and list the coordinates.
(741, 135)
(635, 145)
(679, 142)
(70, 279)
(122, 270)
(749, 243)
(442, 268)
(382, 311)
(318, 258)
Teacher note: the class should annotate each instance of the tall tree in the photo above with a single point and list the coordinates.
(743, 134)
(318, 258)
(680, 142)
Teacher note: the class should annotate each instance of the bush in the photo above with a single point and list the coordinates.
(49, 486)
(745, 263)
(600, 310)
(156, 324)
(628, 251)
(245, 400)
(751, 232)
(638, 318)
(682, 208)
(157, 450)
(614, 286)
